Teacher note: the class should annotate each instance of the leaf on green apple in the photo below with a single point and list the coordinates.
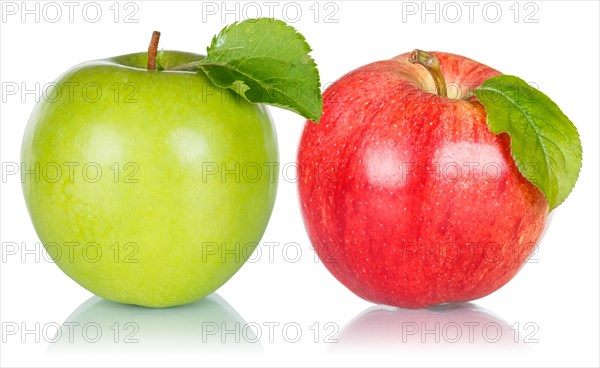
(266, 61)
(159, 60)
(544, 142)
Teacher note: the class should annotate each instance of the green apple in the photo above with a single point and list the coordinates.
(148, 187)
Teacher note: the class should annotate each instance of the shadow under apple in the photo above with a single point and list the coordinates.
(453, 327)
(207, 327)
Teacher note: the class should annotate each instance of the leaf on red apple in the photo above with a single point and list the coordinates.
(544, 142)
(266, 61)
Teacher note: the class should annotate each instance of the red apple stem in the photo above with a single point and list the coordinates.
(432, 64)
(152, 50)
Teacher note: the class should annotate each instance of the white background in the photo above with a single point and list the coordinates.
(553, 302)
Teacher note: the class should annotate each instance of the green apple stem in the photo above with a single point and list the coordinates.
(152, 50)
(432, 64)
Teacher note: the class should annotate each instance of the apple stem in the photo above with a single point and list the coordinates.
(432, 64)
(152, 50)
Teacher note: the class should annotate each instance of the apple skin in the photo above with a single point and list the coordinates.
(177, 232)
(407, 196)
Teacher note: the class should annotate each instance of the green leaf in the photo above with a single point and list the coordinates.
(159, 60)
(266, 61)
(544, 142)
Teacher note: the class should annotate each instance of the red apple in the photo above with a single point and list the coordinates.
(407, 196)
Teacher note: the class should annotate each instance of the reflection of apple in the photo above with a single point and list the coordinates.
(163, 179)
(444, 326)
(408, 197)
(200, 328)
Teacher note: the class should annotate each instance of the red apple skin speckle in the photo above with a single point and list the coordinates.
(408, 198)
